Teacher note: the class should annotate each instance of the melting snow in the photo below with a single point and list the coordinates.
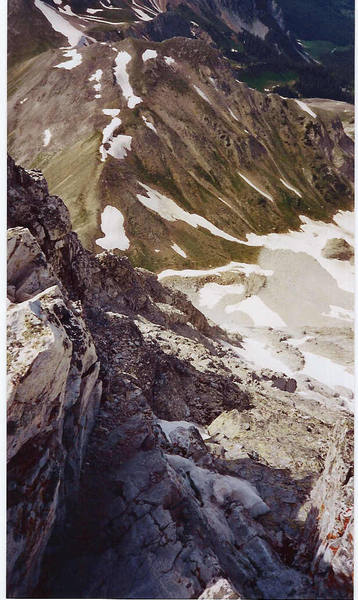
(47, 136)
(59, 24)
(149, 124)
(76, 59)
(169, 60)
(178, 250)
(306, 108)
(168, 210)
(149, 54)
(290, 187)
(112, 225)
(201, 93)
(122, 78)
(255, 187)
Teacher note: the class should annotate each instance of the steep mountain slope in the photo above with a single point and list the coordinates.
(120, 499)
(163, 133)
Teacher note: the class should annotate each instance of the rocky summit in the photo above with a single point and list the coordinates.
(179, 303)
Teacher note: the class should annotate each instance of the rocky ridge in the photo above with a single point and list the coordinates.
(154, 461)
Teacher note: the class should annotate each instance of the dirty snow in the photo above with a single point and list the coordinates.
(112, 225)
(149, 124)
(76, 59)
(178, 250)
(290, 187)
(59, 24)
(306, 108)
(122, 78)
(201, 93)
(46, 137)
(255, 187)
(149, 54)
(168, 210)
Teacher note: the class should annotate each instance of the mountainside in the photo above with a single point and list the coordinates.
(184, 155)
(113, 490)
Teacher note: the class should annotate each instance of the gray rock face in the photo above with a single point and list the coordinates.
(146, 460)
(339, 249)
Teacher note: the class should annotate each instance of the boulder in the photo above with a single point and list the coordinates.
(338, 248)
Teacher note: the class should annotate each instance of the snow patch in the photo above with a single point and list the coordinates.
(178, 250)
(261, 355)
(212, 293)
(201, 93)
(149, 124)
(97, 76)
(168, 210)
(111, 112)
(255, 187)
(149, 54)
(234, 267)
(112, 225)
(24, 100)
(311, 239)
(290, 187)
(337, 312)
(122, 78)
(306, 108)
(169, 60)
(232, 114)
(76, 59)
(256, 309)
(118, 145)
(46, 137)
(59, 24)
(326, 371)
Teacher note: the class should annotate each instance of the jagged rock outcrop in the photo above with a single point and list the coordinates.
(328, 537)
(134, 498)
(53, 396)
